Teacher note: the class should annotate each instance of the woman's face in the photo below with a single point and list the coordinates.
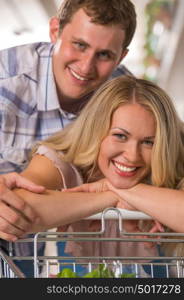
(125, 153)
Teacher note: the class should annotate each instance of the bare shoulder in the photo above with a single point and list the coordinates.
(42, 171)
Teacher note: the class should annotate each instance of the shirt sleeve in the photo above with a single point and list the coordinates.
(69, 174)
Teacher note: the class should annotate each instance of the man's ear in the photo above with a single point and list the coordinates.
(123, 54)
(54, 29)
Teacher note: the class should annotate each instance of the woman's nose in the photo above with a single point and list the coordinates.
(131, 152)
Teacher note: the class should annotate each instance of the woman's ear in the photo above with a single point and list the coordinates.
(54, 29)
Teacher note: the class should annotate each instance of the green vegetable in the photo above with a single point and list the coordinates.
(101, 272)
(127, 275)
(67, 273)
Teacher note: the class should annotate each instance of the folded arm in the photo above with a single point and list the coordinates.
(55, 207)
(162, 204)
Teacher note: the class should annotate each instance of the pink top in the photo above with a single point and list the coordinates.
(71, 178)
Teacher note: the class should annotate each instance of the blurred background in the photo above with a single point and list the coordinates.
(156, 52)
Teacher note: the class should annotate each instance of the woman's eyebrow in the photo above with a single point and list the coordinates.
(149, 137)
(128, 133)
(122, 129)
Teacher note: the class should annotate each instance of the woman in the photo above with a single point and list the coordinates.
(129, 133)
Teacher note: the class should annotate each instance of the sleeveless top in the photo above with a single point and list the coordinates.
(71, 177)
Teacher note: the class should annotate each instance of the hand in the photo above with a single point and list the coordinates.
(16, 216)
(133, 226)
(122, 204)
(157, 227)
(98, 187)
(13, 180)
(94, 187)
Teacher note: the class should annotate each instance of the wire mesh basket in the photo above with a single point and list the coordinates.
(139, 266)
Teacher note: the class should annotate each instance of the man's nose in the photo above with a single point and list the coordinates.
(87, 63)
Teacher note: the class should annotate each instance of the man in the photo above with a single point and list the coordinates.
(44, 86)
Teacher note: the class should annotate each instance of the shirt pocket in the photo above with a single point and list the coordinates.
(17, 156)
(14, 146)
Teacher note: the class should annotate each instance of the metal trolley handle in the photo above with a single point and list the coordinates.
(117, 213)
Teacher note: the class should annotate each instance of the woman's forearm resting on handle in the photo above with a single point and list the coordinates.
(162, 204)
(165, 205)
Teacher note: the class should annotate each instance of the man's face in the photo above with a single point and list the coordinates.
(85, 55)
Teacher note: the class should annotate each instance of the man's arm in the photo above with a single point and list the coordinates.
(16, 216)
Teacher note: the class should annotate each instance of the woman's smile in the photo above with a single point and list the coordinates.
(125, 153)
(124, 170)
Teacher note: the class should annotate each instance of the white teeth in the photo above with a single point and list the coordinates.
(77, 76)
(123, 168)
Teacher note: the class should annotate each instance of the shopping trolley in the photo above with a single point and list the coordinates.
(50, 265)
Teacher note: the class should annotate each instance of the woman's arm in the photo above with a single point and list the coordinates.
(55, 207)
(163, 204)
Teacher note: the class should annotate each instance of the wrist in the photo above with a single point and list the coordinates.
(111, 198)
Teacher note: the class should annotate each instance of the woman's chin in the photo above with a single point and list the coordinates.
(123, 185)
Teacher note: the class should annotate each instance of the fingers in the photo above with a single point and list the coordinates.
(8, 237)
(10, 198)
(16, 216)
(9, 232)
(26, 184)
(158, 226)
(81, 188)
(10, 215)
(13, 224)
(13, 180)
(94, 187)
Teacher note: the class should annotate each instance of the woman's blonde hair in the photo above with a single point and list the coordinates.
(80, 141)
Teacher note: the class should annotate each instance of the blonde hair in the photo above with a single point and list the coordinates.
(80, 141)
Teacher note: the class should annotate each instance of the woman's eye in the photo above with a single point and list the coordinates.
(148, 143)
(120, 136)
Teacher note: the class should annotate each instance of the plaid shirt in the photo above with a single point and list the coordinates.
(29, 105)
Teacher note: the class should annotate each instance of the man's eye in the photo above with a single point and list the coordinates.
(79, 45)
(104, 55)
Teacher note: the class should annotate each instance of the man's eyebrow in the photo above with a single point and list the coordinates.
(109, 51)
(78, 39)
(128, 133)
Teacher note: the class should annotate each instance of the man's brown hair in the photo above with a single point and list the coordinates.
(103, 12)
